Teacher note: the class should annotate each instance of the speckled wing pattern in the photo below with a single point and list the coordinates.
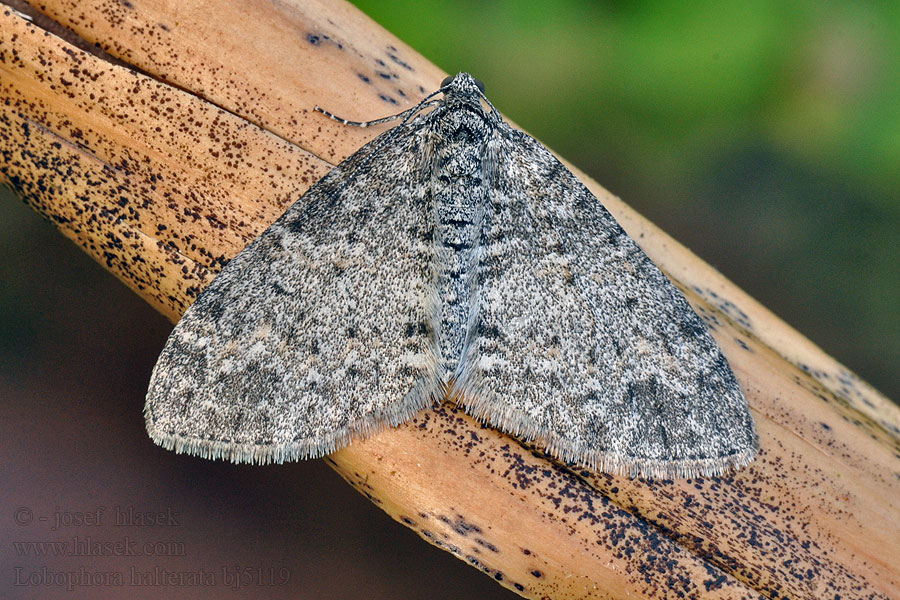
(583, 344)
(313, 333)
(452, 253)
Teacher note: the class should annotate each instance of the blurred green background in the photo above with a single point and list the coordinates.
(763, 135)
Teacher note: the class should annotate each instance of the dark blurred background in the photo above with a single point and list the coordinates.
(766, 138)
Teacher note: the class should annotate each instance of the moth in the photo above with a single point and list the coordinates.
(452, 256)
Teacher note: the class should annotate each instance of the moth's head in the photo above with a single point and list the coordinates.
(462, 84)
(462, 88)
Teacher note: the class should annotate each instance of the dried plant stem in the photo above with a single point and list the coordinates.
(164, 162)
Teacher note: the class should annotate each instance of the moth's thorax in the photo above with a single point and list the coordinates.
(458, 196)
